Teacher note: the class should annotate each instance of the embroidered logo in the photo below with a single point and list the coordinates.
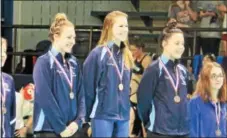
(166, 77)
(73, 71)
(59, 71)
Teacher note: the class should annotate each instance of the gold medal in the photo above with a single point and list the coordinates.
(176, 99)
(71, 95)
(121, 86)
(218, 132)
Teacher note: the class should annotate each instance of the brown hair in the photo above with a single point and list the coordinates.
(203, 84)
(167, 32)
(107, 35)
(59, 22)
(209, 57)
(138, 43)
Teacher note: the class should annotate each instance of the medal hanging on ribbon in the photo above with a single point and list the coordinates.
(70, 81)
(218, 132)
(71, 95)
(3, 97)
(176, 98)
(218, 117)
(120, 74)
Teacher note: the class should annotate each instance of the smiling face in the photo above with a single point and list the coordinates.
(216, 78)
(174, 45)
(120, 28)
(66, 40)
(115, 28)
(62, 34)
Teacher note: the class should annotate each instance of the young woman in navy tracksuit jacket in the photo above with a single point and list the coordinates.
(162, 93)
(7, 103)
(107, 79)
(59, 104)
(208, 106)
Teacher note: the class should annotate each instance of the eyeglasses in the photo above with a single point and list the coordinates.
(215, 76)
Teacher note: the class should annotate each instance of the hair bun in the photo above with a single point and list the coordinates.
(171, 24)
(60, 17)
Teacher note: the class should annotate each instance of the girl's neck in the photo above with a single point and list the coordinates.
(56, 47)
(167, 55)
(214, 95)
(117, 42)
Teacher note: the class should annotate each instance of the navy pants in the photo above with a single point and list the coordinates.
(110, 128)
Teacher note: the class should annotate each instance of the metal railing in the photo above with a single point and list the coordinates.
(91, 30)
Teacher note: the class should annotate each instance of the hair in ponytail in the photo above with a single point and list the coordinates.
(59, 22)
(170, 28)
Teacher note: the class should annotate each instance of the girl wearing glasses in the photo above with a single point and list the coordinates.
(207, 108)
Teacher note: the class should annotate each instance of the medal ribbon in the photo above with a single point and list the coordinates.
(218, 113)
(120, 74)
(3, 94)
(3, 97)
(175, 87)
(70, 81)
